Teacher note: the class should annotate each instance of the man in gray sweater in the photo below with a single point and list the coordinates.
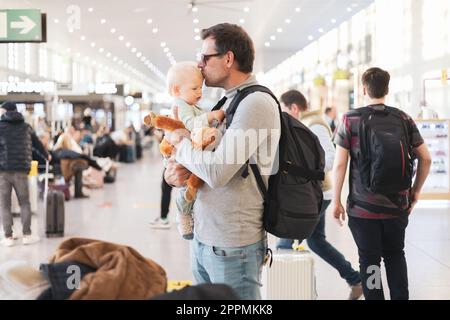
(230, 243)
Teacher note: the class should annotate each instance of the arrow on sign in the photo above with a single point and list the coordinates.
(26, 24)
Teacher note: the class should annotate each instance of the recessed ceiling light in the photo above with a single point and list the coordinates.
(311, 38)
(194, 9)
(139, 54)
(242, 21)
(321, 30)
(166, 50)
(86, 58)
(169, 54)
(56, 21)
(68, 49)
(349, 9)
(115, 59)
(113, 30)
(333, 21)
(287, 20)
(298, 9)
(91, 9)
(101, 50)
(108, 54)
(121, 38)
(103, 21)
(273, 38)
(83, 38)
(155, 30)
(127, 44)
(196, 30)
(267, 44)
(163, 44)
(78, 54)
(197, 38)
(92, 44)
(133, 50)
(149, 21)
(246, 9)
(70, 30)
(279, 30)
(195, 21)
(143, 59)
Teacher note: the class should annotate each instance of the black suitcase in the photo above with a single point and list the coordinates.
(54, 210)
(55, 215)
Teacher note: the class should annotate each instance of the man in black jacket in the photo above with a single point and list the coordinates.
(16, 144)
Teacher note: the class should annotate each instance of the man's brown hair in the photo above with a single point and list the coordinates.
(231, 37)
(376, 81)
(294, 96)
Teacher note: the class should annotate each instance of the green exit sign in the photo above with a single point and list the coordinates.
(24, 25)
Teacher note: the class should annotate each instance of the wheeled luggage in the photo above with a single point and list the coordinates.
(54, 210)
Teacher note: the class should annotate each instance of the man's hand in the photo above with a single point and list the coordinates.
(339, 213)
(414, 199)
(175, 174)
(177, 136)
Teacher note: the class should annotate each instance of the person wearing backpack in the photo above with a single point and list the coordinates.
(294, 103)
(382, 143)
(230, 242)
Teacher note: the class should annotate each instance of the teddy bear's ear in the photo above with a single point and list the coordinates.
(148, 120)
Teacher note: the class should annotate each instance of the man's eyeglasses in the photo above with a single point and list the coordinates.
(205, 57)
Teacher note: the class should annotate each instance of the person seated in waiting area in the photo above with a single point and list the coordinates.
(125, 142)
(105, 147)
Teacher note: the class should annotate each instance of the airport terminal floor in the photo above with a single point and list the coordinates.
(121, 213)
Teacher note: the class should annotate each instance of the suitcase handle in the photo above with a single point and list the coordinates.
(46, 182)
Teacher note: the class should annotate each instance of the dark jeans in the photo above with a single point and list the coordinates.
(18, 181)
(166, 191)
(319, 245)
(378, 239)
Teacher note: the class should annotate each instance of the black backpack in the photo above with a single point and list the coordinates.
(294, 198)
(386, 161)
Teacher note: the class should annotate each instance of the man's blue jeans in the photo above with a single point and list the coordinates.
(319, 245)
(240, 268)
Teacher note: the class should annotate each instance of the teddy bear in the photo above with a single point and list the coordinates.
(201, 139)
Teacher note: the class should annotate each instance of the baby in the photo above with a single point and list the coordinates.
(185, 82)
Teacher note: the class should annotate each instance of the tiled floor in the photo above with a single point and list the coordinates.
(120, 213)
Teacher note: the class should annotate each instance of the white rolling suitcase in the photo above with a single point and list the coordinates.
(291, 276)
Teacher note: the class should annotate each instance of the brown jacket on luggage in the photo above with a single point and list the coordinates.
(122, 273)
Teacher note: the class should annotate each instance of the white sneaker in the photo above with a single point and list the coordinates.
(30, 239)
(7, 242)
(160, 223)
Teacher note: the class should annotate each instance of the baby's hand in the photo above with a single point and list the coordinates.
(219, 115)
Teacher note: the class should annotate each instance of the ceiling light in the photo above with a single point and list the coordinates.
(92, 44)
(108, 54)
(83, 38)
(267, 44)
(86, 58)
(280, 30)
(115, 59)
(142, 58)
(310, 38)
(349, 9)
(149, 21)
(133, 50)
(273, 38)
(103, 21)
(78, 54)
(242, 21)
(127, 44)
(287, 20)
(155, 30)
(70, 30)
(195, 21)
(196, 30)
(246, 9)
(169, 54)
(166, 50)
(194, 9)
(101, 50)
(321, 30)
(163, 44)
(298, 9)
(139, 54)
(121, 38)
(91, 9)
(68, 49)
(113, 30)
(56, 21)
(333, 21)
(197, 38)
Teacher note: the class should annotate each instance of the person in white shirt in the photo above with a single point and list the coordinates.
(294, 103)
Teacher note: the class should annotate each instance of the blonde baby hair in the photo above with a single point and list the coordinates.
(181, 72)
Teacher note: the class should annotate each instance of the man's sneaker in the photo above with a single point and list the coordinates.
(7, 242)
(160, 223)
(356, 292)
(30, 239)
